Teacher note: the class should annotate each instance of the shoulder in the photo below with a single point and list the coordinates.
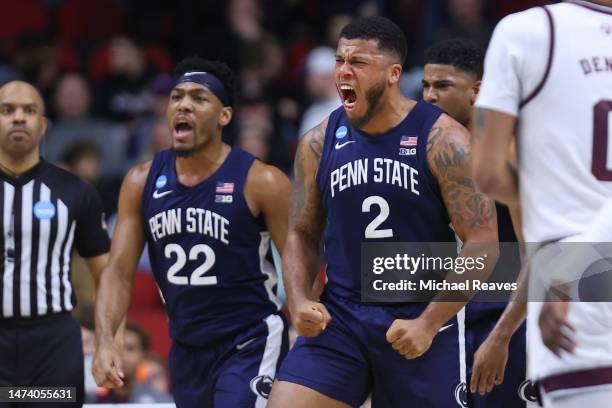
(137, 175)
(66, 180)
(447, 130)
(513, 28)
(264, 177)
(448, 146)
(311, 142)
(61, 174)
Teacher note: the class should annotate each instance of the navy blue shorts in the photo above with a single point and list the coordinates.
(515, 391)
(42, 351)
(237, 374)
(352, 358)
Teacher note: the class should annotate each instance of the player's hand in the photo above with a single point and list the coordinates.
(107, 366)
(556, 330)
(410, 338)
(310, 318)
(489, 365)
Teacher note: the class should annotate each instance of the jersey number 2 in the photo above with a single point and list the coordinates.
(196, 277)
(371, 230)
(601, 140)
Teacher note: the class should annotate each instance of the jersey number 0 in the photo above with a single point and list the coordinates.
(601, 140)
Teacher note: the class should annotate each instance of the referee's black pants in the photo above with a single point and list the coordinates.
(42, 352)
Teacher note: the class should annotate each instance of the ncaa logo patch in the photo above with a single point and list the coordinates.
(341, 132)
(461, 394)
(44, 210)
(527, 391)
(262, 385)
(161, 181)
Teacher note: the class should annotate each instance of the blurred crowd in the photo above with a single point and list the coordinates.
(104, 68)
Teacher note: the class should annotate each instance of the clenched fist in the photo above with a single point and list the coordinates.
(410, 338)
(310, 318)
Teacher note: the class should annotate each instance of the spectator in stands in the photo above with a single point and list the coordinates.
(159, 139)
(123, 94)
(135, 351)
(83, 159)
(72, 101)
(255, 141)
(142, 140)
(153, 371)
(320, 86)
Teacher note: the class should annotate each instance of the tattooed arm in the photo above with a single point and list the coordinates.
(474, 220)
(472, 213)
(306, 223)
(494, 170)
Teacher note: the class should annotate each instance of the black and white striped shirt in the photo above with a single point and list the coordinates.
(44, 213)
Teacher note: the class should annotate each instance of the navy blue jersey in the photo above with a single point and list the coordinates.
(376, 189)
(207, 251)
(506, 270)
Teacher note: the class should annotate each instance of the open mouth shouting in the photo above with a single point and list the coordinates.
(183, 129)
(349, 97)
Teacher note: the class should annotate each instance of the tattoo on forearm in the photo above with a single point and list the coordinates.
(450, 159)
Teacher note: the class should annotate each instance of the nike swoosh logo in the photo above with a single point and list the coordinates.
(341, 145)
(243, 345)
(444, 328)
(157, 194)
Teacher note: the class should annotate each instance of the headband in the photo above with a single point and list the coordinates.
(209, 81)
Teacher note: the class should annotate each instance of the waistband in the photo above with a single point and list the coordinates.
(34, 320)
(577, 379)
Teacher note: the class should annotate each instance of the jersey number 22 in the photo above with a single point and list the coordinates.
(197, 276)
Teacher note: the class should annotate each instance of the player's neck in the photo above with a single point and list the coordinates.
(16, 167)
(203, 163)
(389, 113)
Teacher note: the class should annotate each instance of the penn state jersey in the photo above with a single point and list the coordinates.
(377, 188)
(208, 253)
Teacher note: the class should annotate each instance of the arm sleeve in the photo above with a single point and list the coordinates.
(515, 62)
(91, 236)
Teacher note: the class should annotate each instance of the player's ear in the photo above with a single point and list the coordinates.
(395, 73)
(475, 91)
(226, 116)
(44, 126)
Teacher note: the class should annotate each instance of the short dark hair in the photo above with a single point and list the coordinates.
(78, 150)
(217, 68)
(388, 34)
(464, 55)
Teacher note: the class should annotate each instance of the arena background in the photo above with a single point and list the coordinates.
(104, 69)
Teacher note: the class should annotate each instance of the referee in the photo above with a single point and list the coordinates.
(44, 212)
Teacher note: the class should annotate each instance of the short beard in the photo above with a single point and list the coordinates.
(188, 152)
(373, 98)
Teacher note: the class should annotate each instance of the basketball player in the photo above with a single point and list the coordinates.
(451, 80)
(45, 212)
(404, 352)
(207, 212)
(549, 71)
